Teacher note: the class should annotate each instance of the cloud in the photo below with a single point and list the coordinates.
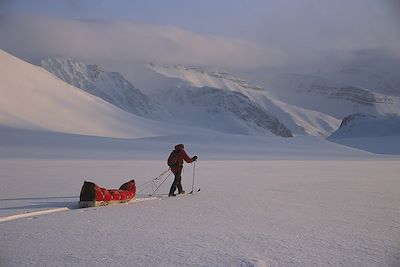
(36, 37)
(305, 34)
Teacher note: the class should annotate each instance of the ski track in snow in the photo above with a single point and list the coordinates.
(249, 213)
(32, 214)
(35, 214)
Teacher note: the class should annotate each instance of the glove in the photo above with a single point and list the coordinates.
(194, 158)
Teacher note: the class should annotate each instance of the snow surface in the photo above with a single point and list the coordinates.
(248, 213)
(375, 144)
(17, 143)
(264, 201)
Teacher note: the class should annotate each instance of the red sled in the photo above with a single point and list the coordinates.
(94, 196)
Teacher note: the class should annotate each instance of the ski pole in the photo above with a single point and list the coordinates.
(194, 171)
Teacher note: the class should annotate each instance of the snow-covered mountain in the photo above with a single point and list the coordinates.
(364, 125)
(32, 98)
(335, 98)
(377, 134)
(226, 111)
(199, 77)
(110, 86)
(214, 109)
(299, 120)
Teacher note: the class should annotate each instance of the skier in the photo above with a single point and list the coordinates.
(175, 162)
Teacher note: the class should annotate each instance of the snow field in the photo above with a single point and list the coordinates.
(249, 213)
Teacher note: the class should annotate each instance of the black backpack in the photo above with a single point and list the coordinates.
(173, 159)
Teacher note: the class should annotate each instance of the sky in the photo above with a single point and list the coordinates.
(223, 33)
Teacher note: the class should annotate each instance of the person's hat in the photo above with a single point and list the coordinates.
(179, 146)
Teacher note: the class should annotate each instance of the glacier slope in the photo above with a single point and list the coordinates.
(33, 98)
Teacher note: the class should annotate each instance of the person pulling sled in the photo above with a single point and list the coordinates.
(175, 162)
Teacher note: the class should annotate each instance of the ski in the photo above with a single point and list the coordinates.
(191, 192)
(162, 196)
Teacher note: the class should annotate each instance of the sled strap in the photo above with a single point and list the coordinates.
(150, 182)
(158, 187)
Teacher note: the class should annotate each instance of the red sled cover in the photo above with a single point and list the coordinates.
(93, 195)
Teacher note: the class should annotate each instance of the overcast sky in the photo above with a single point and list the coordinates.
(235, 33)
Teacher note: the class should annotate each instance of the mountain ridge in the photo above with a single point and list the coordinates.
(33, 98)
(110, 86)
(300, 120)
(335, 98)
(90, 78)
